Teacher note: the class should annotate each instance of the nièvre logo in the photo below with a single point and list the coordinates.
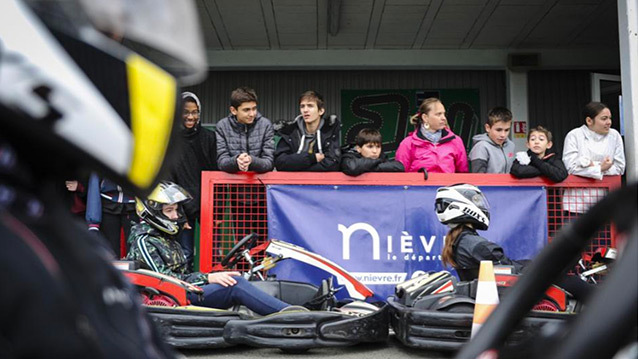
(405, 248)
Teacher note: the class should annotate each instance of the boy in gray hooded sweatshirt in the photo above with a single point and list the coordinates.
(493, 151)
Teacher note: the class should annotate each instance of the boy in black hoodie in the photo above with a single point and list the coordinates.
(311, 142)
(538, 160)
(198, 153)
(367, 156)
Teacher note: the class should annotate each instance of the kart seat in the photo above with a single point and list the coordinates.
(323, 298)
(293, 293)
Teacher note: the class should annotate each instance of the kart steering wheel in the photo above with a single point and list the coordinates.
(237, 252)
(609, 309)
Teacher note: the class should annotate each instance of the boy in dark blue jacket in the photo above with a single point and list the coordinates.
(366, 155)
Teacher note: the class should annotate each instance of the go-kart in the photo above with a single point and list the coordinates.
(434, 311)
(535, 319)
(330, 323)
(606, 327)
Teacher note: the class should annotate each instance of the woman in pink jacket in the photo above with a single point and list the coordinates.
(432, 146)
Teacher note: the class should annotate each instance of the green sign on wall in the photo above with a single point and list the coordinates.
(389, 111)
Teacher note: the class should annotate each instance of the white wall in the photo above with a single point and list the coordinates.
(517, 103)
(628, 33)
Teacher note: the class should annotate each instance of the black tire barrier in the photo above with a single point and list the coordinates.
(192, 328)
(299, 331)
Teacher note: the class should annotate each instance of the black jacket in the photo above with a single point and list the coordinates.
(287, 157)
(198, 153)
(61, 297)
(470, 249)
(353, 164)
(551, 167)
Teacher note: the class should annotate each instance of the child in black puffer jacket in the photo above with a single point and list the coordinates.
(538, 160)
(367, 156)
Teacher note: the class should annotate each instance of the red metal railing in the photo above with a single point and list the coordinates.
(235, 205)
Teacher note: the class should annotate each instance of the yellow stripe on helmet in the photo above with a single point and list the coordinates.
(152, 95)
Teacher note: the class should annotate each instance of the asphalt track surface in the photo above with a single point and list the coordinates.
(390, 349)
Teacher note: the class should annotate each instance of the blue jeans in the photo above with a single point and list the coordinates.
(218, 296)
(186, 239)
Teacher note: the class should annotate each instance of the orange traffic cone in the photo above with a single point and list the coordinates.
(486, 296)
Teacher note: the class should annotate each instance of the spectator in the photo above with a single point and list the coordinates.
(198, 153)
(311, 142)
(245, 143)
(493, 151)
(592, 150)
(110, 210)
(367, 156)
(76, 197)
(153, 243)
(432, 146)
(539, 160)
(245, 138)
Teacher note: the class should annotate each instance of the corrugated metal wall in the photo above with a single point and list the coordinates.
(278, 91)
(556, 100)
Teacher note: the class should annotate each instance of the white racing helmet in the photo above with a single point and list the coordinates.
(93, 85)
(150, 209)
(460, 204)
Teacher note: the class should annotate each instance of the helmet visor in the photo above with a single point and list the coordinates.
(477, 198)
(169, 193)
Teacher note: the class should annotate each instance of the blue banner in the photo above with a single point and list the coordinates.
(384, 235)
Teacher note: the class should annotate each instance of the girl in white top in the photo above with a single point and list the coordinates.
(592, 150)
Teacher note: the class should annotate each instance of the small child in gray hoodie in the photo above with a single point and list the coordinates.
(493, 151)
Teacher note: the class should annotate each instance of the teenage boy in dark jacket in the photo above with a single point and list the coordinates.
(311, 142)
(538, 160)
(198, 153)
(367, 156)
(245, 143)
(245, 138)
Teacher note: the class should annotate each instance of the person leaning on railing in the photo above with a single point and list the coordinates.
(245, 137)
(310, 142)
(366, 155)
(539, 159)
(493, 151)
(592, 150)
(245, 143)
(432, 146)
